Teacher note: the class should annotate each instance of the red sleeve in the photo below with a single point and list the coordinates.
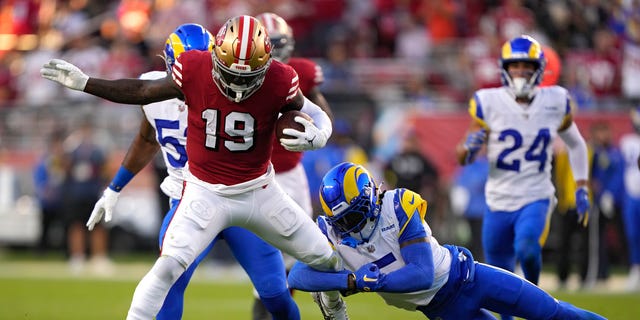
(293, 83)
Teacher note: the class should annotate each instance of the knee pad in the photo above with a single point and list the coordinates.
(167, 268)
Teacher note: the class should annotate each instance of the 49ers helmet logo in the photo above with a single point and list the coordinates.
(220, 36)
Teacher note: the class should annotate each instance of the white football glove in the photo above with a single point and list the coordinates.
(64, 73)
(312, 138)
(104, 206)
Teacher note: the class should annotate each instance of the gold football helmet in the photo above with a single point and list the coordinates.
(281, 35)
(241, 56)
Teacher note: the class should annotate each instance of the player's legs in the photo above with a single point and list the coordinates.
(294, 183)
(498, 235)
(200, 216)
(531, 228)
(264, 265)
(282, 223)
(497, 239)
(456, 299)
(174, 302)
(504, 292)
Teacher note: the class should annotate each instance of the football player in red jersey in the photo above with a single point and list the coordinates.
(290, 173)
(233, 100)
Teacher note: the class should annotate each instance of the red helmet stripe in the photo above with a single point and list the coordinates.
(247, 25)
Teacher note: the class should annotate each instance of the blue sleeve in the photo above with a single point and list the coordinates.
(302, 277)
(416, 275)
(410, 209)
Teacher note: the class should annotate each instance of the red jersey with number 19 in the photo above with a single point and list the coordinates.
(228, 142)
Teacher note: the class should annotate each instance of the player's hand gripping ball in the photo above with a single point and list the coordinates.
(286, 120)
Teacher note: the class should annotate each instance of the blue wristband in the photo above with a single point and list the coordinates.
(123, 176)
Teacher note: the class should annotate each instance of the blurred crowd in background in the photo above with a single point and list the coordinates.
(397, 74)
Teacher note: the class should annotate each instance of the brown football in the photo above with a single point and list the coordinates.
(286, 121)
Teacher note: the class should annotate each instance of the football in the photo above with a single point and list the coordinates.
(286, 121)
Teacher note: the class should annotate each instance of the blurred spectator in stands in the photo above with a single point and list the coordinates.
(417, 94)
(338, 76)
(33, 89)
(440, 18)
(122, 61)
(48, 177)
(410, 168)
(604, 74)
(167, 15)
(478, 56)
(81, 48)
(607, 183)
(9, 187)
(8, 90)
(630, 148)
(326, 17)
(575, 79)
(340, 148)
(511, 19)
(628, 27)
(85, 179)
(411, 41)
(19, 17)
(468, 201)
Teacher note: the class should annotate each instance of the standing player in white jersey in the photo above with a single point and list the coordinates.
(290, 173)
(630, 148)
(164, 128)
(233, 97)
(388, 248)
(519, 122)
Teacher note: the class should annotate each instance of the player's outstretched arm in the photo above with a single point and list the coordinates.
(579, 160)
(140, 153)
(418, 272)
(127, 91)
(303, 277)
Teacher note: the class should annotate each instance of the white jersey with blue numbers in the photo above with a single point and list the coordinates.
(519, 143)
(383, 248)
(169, 118)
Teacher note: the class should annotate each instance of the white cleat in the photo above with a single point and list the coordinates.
(331, 309)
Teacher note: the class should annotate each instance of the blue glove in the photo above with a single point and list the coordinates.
(368, 277)
(474, 143)
(583, 205)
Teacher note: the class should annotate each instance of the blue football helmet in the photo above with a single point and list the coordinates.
(349, 199)
(189, 36)
(281, 35)
(522, 48)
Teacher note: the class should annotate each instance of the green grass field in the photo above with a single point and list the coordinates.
(45, 290)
